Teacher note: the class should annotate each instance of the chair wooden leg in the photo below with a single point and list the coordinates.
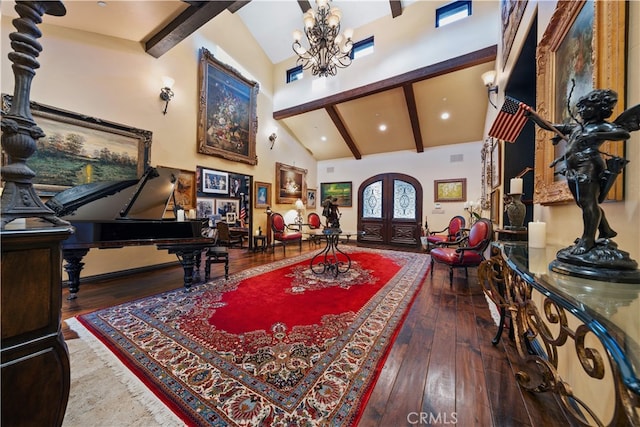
(431, 267)
(226, 269)
(451, 277)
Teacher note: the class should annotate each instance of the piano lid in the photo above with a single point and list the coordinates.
(144, 199)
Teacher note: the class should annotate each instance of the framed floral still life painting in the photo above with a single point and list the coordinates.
(450, 190)
(583, 48)
(227, 118)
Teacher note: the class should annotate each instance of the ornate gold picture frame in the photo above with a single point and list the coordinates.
(607, 56)
(291, 183)
(227, 118)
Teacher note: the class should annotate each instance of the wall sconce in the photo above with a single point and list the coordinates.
(272, 139)
(166, 93)
(489, 80)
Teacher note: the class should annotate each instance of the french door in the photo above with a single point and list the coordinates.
(390, 209)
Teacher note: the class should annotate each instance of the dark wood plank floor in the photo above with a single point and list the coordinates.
(441, 370)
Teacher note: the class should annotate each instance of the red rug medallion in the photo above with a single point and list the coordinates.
(274, 345)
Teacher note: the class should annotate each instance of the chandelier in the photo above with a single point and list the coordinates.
(328, 49)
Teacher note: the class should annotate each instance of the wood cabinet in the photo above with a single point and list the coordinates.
(35, 360)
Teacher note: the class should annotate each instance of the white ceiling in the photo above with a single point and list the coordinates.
(271, 22)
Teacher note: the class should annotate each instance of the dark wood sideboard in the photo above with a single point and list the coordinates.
(35, 360)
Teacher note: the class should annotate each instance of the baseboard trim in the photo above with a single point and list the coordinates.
(121, 273)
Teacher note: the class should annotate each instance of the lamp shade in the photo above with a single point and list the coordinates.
(489, 78)
(299, 205)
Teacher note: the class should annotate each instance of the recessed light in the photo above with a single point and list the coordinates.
(102, 3)
(444, 116)
(382, 127)
(323, 138)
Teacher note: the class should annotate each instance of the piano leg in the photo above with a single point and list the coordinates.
(73, 267)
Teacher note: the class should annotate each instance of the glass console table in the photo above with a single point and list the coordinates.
(579, 338)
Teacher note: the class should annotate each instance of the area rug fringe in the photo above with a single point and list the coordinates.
(162, 415)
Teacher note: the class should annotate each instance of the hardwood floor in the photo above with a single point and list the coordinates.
(442, 368)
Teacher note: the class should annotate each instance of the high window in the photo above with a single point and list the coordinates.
(362, 48)
(294, 74)
(452, 12)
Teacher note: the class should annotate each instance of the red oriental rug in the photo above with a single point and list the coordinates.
(273, 345)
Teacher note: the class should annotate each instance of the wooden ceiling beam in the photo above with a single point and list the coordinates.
(188, 22)
(304, 5)
(337, 121)
(396, 8)
(478, 57)
(410, 99)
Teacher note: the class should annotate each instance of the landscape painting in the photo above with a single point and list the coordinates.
(77, 149)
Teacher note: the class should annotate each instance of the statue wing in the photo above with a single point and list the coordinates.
(629, 118)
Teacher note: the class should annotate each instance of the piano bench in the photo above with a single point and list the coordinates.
(216, 255)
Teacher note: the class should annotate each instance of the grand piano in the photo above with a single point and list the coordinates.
(115, 214)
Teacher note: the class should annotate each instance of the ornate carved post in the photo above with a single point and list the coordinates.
(19, 131)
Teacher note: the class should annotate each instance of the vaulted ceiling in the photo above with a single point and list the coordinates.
(410, 103)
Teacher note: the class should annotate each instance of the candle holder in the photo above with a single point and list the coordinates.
(19, 130)
(516, 211)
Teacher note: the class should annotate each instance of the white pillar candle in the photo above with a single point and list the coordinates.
(515, 185)
(192, 214)
(538, 261)
(180, 215)
(537, 234)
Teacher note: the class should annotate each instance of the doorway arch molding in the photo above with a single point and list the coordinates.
(391, 210)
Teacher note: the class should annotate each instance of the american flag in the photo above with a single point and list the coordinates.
(510, 120)
(243, 213)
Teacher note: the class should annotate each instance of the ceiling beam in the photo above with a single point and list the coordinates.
(304, 5)
(478, 57)
(337, 121)
(410, 99)
(188, 22)
(396, 8)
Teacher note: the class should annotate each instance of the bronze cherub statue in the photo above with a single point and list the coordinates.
(590, 177)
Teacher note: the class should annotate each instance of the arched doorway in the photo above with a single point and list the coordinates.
(390, 207)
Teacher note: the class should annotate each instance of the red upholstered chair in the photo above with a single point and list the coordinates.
(282, 234)
(467, 253)
(314, 223)
(453, 232)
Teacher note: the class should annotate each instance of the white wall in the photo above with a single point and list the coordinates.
(433, 163)
(422, 45)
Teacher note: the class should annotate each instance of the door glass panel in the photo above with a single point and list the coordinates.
(372, 200)
(404, 200)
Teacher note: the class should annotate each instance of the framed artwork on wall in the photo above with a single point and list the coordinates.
(78, 149)
(511, 13)
(291, 183)
(311, 198)
(262, 194)
(450, 190)
(227, 118)
(215, 182)
(340, 190)
(225, 206)
(204, 207)
(496, 164)
(584, 42)
(184, 190)
(495, 206)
